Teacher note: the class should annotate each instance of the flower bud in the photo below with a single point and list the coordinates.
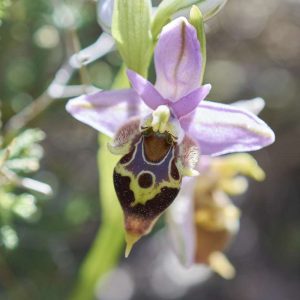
(105, 12)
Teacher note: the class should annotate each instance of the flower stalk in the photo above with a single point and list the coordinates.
(109, 240)
(197, 20)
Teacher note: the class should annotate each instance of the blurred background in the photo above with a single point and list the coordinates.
(253, 50)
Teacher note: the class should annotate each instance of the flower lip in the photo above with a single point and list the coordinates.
(168, 136)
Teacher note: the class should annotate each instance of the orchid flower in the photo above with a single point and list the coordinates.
(209, 8)
(160, 129)
(203, 220)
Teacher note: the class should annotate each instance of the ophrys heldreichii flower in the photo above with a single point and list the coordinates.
(160, 129)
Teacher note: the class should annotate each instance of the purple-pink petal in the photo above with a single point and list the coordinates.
(221, 129)
(177, 60)
(189, 102)
(145, 90)
(106, 111)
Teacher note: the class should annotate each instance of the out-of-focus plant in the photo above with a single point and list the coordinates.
(203, 220)
(18, 198)
(4, 4)
(20, 151)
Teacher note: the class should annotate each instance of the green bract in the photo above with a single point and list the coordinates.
(166, 9)
(196, 19)
(131, 31)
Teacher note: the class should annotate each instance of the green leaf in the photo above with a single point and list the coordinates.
(197, 20)
(210, 8)
(166, 10)
(24, 144)
(4, 4)
(8, 237)
(25, 206)
(131, 30)
(26, 165)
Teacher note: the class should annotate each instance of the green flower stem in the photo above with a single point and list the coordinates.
(109, 242)
(197, 20)
(106, 249)
(165, 11)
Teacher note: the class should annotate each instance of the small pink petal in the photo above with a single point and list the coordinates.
(145, 90)
(188, 103)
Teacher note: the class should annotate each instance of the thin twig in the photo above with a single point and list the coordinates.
(24, 182)
(58, 88)
(83, 73)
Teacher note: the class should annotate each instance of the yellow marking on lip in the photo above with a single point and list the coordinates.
(143, 195)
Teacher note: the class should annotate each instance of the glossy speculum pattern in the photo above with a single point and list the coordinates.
(147, 180)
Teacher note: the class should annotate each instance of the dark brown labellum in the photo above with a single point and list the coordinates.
(147, 181)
